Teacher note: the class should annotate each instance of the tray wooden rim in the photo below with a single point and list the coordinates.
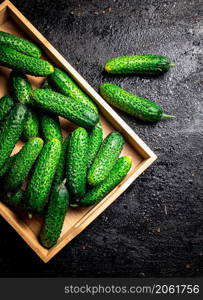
(148, 155)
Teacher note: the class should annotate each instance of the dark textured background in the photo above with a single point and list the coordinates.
(155, 228)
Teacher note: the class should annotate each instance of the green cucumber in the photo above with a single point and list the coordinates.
(105, 158)
(116, 175)
(136, 106)
(13, 199)
(61, 167)
(138, 64)
(6, 165)
(46, 85)
(54, 218)
(94, 142)
(11, 131)
(66, 107)
(23, 163)
(19, 44)
(24, 64)
(39, 186)
(31, 128)
(6, 104)
(20, 87)
(50, 127)
(65, 85)
(76, 164)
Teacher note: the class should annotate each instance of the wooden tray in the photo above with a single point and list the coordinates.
(11, 20)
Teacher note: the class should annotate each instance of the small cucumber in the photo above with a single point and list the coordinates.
(119, 171)
(11, 131)
(136, 106)
(105, 158)
(50, 126)
(13, 199)
(65, 85)
(19, 44)
(66, 107)
(23, 163)
(31, 128)
(20, 87)
(94, 142)
(138, 64)
(6, 165)
(39, 186)
(22, 63)
(61, 167)
(6, 104)
(55, 216)
(76, 164)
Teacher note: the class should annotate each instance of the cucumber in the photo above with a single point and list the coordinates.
(24, 64)
(94, 142)
(76, 164)
(11, 131)
(105, 158)
(23, 163)
(66, 107)
(138, 64)
(19, 44)
(39, 186)
(6, 104)
(116, 175)
(54, 218)
(46, 85)
(13, 199)
(31, 128)
(50, 127)
(20, 87)
(65, 85)
(61, 167)
(136, 106)
(6, 166)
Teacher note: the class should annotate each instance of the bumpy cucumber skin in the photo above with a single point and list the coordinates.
(19, 44)
(23, 162)
(24, 64)
(14, 199)
(136, 106)
(76, 164)
(50, 127)
(20, 87)
(46, 85)
(119, 171)
(6, 165)
(11, 131)
(55, 216)
(105, 158)
(31, 128)
(38, 189)
(138, 64)
(6, 104)
(94, 143)
(65, 85)
(66, 107)
(61, 167)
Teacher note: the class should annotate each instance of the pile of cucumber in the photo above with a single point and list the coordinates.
(50, 173)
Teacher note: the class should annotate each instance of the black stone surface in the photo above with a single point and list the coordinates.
(155, 228)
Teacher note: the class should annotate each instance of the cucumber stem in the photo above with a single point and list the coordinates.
(172, 65)
(165, 116)
(63, 183)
